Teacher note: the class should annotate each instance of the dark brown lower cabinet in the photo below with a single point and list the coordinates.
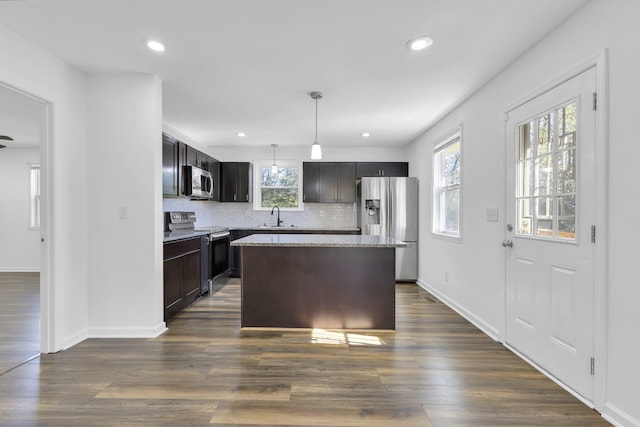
(181, 269)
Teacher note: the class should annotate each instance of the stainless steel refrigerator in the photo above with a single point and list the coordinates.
(389, 207)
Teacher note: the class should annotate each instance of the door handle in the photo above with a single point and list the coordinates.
(507, 244)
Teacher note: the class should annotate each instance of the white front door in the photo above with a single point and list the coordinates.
(550, 213)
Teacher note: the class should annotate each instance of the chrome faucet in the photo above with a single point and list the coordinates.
(279, 221)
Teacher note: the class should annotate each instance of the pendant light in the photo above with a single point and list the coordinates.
(316, 150)
(274, 167)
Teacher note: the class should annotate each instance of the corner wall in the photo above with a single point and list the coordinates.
(43, 75)
(475, 283)
(125, 206)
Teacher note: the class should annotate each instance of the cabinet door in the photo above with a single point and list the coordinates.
(346, 182)
(228, 173)
(394, 169)
(310, 181)
(328, 183)
(243, 186)
(367, 169)
(191, 272)
(173, 295)
(192, 157)
(170, 168)
(214, 168)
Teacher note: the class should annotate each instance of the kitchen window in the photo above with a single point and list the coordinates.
(34, 196)
(283, 188)
(447, 185)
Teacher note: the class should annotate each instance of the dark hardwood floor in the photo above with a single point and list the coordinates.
(19, 318)
(436, 369)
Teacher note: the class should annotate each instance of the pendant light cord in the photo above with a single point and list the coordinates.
(316, 119)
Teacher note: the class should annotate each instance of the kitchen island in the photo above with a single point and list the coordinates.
(318, 281)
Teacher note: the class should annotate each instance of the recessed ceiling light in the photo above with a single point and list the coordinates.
(365, 134)
(154, 45)
(241, 134)
(419, 43)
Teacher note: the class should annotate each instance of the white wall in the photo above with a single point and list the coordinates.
(476, 270)
(19, 245)
(37, 72)
(125, 253)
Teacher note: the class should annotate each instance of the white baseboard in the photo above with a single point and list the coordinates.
(477, 322)
(618, 417)
(19, 269)
(128, 332)
(74, 339)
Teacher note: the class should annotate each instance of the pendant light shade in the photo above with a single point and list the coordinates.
(274, 167)
(316, 150)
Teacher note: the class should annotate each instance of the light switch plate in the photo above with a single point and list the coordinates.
(492, 214)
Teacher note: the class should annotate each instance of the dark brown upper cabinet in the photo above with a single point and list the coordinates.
(329, 182)
(236, 182)
(197, 158)
(175, 155)
(170, 168)
(382, 169)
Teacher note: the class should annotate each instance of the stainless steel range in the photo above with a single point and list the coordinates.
(214, 246)
(219, 238)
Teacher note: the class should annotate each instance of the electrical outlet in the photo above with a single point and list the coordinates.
(446, 276)
(321, 213)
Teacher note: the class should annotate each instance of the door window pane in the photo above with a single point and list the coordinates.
(546, 183)
(544, 176)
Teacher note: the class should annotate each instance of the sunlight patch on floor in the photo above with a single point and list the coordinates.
(322, 336)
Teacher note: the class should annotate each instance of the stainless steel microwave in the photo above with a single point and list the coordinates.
(198, 183)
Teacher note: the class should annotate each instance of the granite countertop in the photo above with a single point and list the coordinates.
(318, 240)
(170, 236)
(296, 227)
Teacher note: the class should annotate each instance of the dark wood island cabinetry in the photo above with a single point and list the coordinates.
(234, 252)
(318, 281)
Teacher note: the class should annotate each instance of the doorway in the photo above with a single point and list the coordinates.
(550, 246)
(23, 223)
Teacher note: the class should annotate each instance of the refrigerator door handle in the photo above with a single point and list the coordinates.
(389, 209)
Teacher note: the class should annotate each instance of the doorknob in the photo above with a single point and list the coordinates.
(507, 244)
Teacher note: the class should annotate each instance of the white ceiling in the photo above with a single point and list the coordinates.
(249, 65)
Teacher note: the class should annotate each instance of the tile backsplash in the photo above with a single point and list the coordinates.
(243, 215)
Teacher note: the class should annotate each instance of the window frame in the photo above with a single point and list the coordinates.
(438, 190)
(257, 188)
(34, 196)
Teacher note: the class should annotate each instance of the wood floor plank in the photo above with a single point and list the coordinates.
(436, 369)
(19, 318)
(319, 414)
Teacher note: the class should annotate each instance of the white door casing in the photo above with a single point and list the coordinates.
(550, 256)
